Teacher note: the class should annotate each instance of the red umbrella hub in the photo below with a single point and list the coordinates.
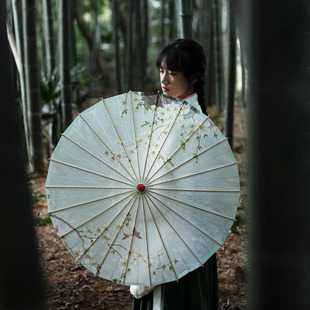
(141, 188)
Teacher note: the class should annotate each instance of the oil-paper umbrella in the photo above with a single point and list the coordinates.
(142, 188)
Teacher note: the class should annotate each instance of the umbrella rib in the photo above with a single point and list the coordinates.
(178, 148)
(146, 244)
(130, 246)
(83, 187)
(184, 162)
(99, 235)
(117, 233)
(207, 235)
(95, 216)
(161, 239)
(172, 226)
(91, 128)
(81, 147)
(120, 140)
(193, 206)
(150, 139)
(88, 202)
(196, 190)
(193, 174)
(135, 133)
(88, 171)
(162, 145)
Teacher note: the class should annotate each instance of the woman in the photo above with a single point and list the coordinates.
(182, 65)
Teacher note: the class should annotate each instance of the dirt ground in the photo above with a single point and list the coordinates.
(70, 286)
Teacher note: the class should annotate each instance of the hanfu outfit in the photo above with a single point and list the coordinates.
(198, 290)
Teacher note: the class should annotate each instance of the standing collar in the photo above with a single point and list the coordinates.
(193, 101)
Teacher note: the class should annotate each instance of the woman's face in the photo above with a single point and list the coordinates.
(174, 83)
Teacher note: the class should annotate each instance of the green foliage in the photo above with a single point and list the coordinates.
(51, 99)
(93, 7)
(241, 207)
(43, 220)
(80, 76)
(37, 197)
(237, 226)
(91, 10)
(50, 90)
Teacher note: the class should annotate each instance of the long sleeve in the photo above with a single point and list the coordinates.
(140, 291)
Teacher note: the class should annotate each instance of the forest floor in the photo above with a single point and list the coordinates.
(71, 286)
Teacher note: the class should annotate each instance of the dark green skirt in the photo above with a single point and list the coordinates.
(198, 290)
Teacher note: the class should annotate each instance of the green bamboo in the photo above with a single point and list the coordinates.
(64, 15)
(21, 284)
(278, 49)
(32, 84)
(186, 30)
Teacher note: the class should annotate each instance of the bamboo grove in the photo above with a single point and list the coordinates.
(65, 53)
(69, 52)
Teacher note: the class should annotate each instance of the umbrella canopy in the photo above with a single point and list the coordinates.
(142, 188)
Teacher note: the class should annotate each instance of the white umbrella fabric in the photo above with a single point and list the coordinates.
(142, 188)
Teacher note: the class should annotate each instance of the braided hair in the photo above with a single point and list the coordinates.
(187, 56)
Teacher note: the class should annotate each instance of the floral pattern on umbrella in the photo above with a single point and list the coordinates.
(142, 188)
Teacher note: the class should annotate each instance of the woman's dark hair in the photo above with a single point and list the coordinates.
(187, 56)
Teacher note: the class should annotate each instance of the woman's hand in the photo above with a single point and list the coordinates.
(140, 291)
